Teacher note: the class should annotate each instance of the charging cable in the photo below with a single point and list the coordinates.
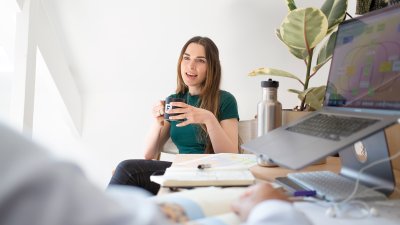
(366, 210)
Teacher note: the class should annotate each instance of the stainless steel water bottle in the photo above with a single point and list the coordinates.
(269, 110)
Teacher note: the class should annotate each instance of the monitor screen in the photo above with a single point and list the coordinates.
(365, 70)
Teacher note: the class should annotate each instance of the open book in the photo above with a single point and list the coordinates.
(201, 206)
(222, 170)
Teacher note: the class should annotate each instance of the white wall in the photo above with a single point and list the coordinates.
(7, 36)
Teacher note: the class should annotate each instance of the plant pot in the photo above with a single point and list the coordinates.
(289, 116)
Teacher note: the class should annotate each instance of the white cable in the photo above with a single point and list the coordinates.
(335, 209)
(397, 190)
(362, 170)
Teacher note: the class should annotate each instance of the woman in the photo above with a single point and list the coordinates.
(207, 122)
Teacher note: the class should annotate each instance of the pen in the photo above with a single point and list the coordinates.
(306, 193)
(203, 166)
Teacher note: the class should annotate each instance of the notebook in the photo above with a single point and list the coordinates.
(223, 169)
(194, 177)
(363, 86)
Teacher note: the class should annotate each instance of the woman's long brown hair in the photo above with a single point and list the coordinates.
(209, 95)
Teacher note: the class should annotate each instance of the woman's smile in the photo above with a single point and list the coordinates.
(191, 75)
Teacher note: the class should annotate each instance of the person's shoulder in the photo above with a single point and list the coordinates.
(228, 106)
(176, 95)
(226, 95)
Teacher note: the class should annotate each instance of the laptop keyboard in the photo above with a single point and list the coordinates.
(331, 126)
(333, 187)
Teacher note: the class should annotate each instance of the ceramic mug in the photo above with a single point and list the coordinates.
(168, 106)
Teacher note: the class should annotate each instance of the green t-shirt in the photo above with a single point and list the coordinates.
(187, 138)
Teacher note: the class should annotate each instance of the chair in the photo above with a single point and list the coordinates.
(247, 132)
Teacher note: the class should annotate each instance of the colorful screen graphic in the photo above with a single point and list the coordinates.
(365, 70)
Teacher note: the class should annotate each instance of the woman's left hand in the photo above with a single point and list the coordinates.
(189, 114)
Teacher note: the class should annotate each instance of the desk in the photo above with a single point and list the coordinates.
(316, 212)
(270, 173)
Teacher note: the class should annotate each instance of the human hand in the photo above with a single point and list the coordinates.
(158, 112)
(189, 114)
(255, 195)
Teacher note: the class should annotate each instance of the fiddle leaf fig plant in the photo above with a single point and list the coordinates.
(302, 31)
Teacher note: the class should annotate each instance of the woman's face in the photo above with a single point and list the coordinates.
(194, 67)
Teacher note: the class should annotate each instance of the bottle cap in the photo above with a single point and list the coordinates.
(270, 83)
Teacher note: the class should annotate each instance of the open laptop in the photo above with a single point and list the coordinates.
(363, 85)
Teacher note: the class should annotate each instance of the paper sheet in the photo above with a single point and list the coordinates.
(221, 160)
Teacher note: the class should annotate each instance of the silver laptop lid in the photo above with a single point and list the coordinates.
(365, 68)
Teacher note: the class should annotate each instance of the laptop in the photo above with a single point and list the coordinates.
(363, 86)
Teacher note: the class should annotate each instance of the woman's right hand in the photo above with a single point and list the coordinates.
(158, 112)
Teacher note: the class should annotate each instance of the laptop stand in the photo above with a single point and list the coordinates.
(363, 154)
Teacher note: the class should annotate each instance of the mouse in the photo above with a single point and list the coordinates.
(263, 160)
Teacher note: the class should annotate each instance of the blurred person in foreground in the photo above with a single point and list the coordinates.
(37, 189)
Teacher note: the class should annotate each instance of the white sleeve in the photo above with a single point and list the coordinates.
(276, 212)
(136, 202)
(36, 189)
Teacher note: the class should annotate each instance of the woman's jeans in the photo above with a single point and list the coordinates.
(137, 172)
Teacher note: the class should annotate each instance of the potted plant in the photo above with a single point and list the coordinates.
(302, 30)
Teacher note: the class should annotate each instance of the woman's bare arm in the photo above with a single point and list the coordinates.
(159, 132)
(224, 135)
(156, 140)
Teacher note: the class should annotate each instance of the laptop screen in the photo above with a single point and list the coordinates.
(365, 67)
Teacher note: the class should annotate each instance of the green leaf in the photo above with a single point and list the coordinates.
(291, 5)
(294, 91)
(305, 93)
(298, 53)
(304, 28)
(326, 51)
(335, 11)
(314, 96)
(274, 72)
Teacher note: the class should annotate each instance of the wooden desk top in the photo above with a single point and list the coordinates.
(270, 173)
